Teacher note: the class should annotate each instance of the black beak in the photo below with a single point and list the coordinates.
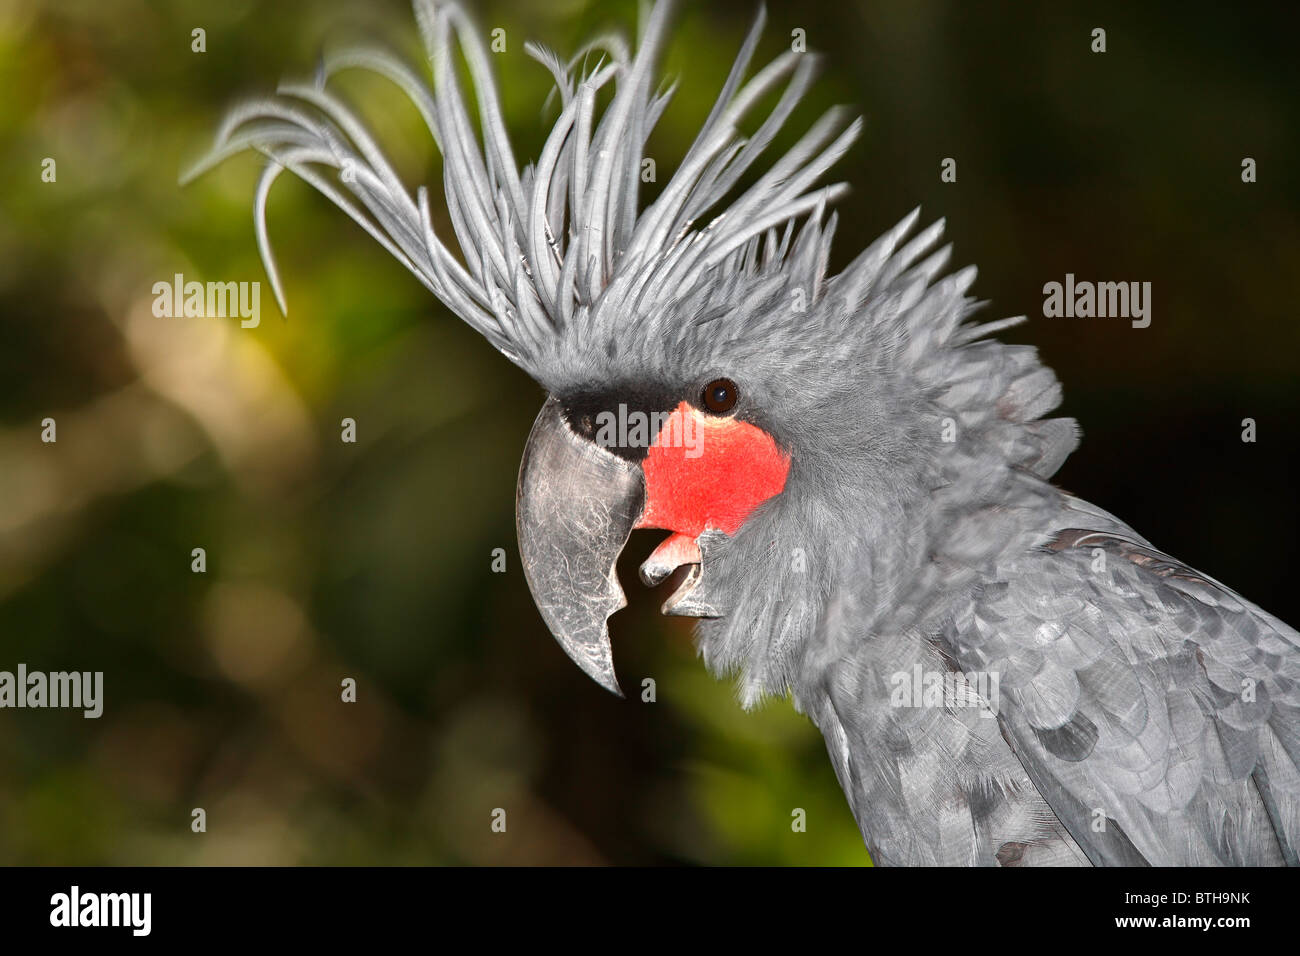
(576, 505)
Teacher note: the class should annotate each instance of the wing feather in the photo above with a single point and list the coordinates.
(1156, 710)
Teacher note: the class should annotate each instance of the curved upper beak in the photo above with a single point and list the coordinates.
(576, 506)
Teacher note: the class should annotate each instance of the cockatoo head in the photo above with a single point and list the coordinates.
(705, 374)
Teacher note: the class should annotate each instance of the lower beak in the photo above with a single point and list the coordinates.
(576, 505)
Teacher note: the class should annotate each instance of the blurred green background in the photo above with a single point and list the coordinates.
(329, 560)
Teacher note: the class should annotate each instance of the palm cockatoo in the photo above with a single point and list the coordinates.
(855, 476)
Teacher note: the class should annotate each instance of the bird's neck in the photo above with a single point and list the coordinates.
(915, 741)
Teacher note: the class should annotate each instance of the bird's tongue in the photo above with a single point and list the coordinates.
(675, 551)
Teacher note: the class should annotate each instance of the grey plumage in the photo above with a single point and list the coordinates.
(1146, 713)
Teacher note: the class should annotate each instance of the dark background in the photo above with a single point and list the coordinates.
(371, 560)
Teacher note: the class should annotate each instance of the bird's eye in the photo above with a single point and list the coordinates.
(720, 395)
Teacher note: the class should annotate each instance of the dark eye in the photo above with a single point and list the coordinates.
(720, 395)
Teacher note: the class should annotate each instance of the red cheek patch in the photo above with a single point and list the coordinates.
(704, 471)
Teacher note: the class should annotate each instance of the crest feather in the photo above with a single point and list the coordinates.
(535, 248)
